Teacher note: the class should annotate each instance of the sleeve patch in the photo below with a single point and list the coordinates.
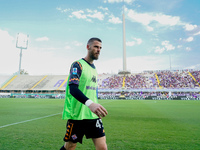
(74, 72)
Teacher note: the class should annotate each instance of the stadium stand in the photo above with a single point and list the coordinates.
(4, 79)
(163, 83)
(36, 83)
(52, 83)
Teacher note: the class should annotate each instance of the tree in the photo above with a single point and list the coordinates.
(23, 72)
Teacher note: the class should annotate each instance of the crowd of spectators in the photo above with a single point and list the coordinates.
(160, 79)
(113, 82)
(175, 79)
(136, 82)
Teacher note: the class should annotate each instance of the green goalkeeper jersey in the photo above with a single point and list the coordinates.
(75, 110)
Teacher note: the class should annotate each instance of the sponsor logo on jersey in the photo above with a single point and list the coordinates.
(94, 79)
(90, 88)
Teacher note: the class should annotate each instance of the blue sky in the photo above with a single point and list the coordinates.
(156, 32)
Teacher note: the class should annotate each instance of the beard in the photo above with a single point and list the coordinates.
(94, 56)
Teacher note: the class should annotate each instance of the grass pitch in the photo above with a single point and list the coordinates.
(35, 124)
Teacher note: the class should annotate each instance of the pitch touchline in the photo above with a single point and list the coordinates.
(28, 120)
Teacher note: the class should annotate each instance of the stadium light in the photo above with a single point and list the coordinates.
(124, 71)
(21, 43)
(124, 41)
(170, 64)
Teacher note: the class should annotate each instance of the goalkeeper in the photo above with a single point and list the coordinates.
(81, 107)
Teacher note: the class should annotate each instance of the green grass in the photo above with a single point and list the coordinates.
(130, 125)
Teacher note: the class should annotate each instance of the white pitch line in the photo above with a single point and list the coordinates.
(40, 117)
(28, 120)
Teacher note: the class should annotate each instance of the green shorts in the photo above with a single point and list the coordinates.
(76, 129)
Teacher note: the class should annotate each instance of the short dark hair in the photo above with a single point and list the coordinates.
(90, 41)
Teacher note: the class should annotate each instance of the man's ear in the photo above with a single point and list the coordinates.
(88, 47)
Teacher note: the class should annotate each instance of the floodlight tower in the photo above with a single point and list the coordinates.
(124, 41)
(21, 43)
(124, 44)
(170, 65)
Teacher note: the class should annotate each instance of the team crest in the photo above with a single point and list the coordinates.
(74, 137)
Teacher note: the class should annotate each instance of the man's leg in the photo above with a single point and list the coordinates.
(100, 143)
(69, 146)
(73, 135)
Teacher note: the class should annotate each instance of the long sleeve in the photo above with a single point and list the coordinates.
(75, 92)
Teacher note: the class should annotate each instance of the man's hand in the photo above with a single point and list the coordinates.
(98, 109)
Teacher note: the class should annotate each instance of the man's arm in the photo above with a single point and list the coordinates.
(75, 92)
(98, 109)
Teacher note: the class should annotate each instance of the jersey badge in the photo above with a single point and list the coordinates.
(74, 71)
